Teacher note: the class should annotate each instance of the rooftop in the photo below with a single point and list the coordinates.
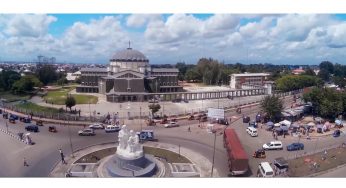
(251, 74)
(95, 69)
(165, 70)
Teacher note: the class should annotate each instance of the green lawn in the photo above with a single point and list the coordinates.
(170, 156)
(59, 97)
(36, 108)
(9, 97)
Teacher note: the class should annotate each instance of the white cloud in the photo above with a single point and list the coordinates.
(266, 38)
(24, 25)
(293, 27)
(140, 20)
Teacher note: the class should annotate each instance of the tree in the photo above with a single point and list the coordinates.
(154, 108)
(294, 82)
(328, 66)
(46, 73)
(272, 106)
(62, 81)
(324, 74)
(70, 102)
(26, 84)
(339, 81)
(326, 102)
(7, 79)
(309, 72)
(192, 75)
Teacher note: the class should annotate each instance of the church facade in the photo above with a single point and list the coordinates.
(129, 77)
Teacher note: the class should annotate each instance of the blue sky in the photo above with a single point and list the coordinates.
(169, 38)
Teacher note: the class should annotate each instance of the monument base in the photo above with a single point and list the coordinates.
(143, 166)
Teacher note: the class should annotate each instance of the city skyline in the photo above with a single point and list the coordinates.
(170, 38)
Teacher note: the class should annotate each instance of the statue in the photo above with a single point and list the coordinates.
(129, 145)
(123, 137)
(131, 142)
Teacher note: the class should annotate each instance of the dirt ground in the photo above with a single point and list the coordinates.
(322, 161)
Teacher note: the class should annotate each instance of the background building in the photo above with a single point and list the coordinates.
(128, 77)
(255, 79)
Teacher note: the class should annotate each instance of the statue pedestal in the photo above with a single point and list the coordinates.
(125, 153)
(143, 166)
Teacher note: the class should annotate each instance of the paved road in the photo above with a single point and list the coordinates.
(44, 154)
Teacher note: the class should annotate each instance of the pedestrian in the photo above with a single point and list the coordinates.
(62, 156)
(284, 135)
(25, 163)
(189, 129)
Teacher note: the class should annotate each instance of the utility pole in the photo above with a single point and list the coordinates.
(140, 117)
(69, 134)
(212, 166)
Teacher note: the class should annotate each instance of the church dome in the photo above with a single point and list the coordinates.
(129, 55)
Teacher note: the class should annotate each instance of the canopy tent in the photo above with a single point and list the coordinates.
(285, 122)
(269, 123)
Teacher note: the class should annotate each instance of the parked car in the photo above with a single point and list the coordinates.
(12, 120)
(96, 126)
(5, 115)
(86, 132)
(273, 145)
(112, 128)
(186, 101)
(222, 121)
(171, 124)
(15, 117)
(265, 170)
(295, 146)
(32, 128)
(336, 133)
(252, 131)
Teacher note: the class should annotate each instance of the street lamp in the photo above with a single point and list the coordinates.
(214, 148)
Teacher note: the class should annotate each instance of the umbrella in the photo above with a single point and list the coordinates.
(278, 128)
(269, 123)
(338, 122)
(318, 119)
(277, 125)
(296, 125)
(311, 124)
(319, 126)
(284, 128)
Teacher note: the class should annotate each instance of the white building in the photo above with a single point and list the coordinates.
(255, 79)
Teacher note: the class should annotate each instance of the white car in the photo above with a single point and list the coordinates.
(171, 124)
(96, 126)
(112, 128)
(273, 145)
(252, 131)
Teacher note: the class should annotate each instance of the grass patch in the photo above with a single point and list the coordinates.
(170, 156)
(36, 108)
(59, 97)
(9, 97)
